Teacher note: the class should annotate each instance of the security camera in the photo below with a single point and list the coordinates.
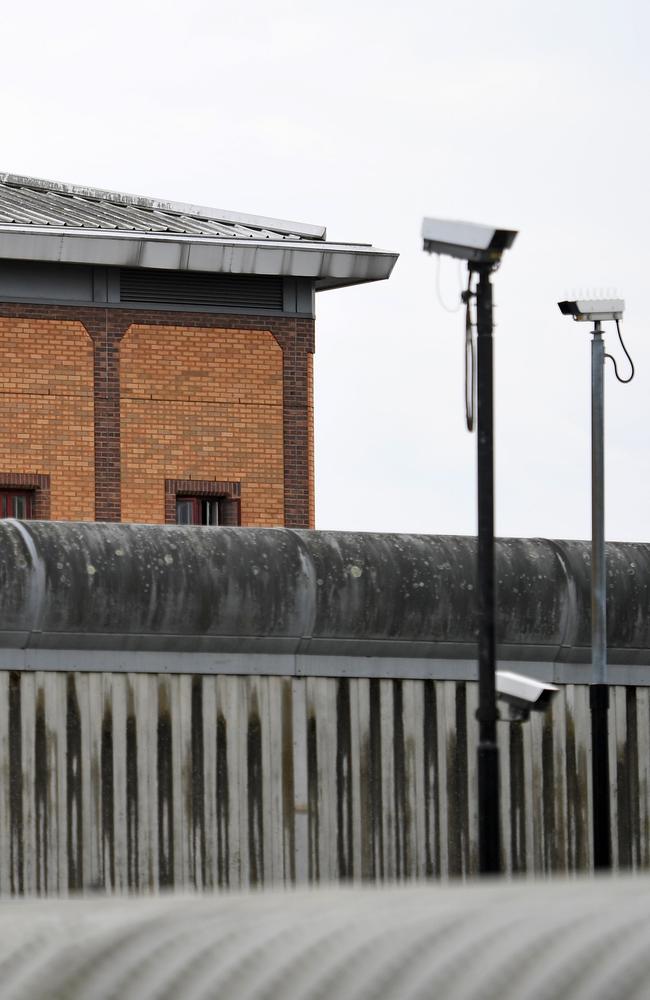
(594, 310)
(523, 695)
(466, 240)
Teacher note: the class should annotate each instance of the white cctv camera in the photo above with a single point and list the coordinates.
(523, 695)
(466, 240)
(594, 310)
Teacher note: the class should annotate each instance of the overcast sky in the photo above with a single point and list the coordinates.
(364, 117)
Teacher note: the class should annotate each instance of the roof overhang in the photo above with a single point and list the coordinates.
(329, 265)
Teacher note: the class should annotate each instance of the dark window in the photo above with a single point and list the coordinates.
(202, 501)
(16, 503)
(198, 510)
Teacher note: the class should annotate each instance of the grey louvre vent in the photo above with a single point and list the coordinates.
(193, 289)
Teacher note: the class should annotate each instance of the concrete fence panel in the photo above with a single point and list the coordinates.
(140, 782)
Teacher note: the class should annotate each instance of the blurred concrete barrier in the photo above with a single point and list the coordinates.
(564, 940)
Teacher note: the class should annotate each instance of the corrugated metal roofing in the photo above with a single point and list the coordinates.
(66, 224)
(32, 201)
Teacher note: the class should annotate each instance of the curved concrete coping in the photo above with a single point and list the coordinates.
(560, 939)
(130, 587)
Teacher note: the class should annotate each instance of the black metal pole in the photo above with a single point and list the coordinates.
(487, 715)
(599, 692)
(599, 704)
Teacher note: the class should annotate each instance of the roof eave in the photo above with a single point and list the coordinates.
(327, 284)
(329, 265)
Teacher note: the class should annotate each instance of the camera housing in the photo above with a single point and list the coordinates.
(466, 240)
(523, 695)
(593, 310)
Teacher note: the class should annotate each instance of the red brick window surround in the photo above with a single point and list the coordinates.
(229, 495)
(37, 488)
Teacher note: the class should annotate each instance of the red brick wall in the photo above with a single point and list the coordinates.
(201, 404)
(46, 413)
(74, 407)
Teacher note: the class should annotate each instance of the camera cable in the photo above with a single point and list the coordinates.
(470, 357)
(627, 355)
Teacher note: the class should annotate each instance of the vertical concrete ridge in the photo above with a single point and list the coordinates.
(570, 603)
(34, 608)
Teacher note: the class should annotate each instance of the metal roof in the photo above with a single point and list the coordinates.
(54, 221)
(32, 201)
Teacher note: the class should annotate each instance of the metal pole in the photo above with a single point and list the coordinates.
(599, 692)
(487, 714)
(598, 570)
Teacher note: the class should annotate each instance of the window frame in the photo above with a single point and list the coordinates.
(35, 485)
(227, 494)
(199, 509)
(6, 498)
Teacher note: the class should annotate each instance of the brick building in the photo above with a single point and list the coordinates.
(156, 357)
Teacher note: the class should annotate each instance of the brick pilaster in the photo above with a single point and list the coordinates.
(297, 342)
(106, 329)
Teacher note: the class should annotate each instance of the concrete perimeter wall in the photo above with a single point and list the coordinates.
(145, 781)
(249, 711)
